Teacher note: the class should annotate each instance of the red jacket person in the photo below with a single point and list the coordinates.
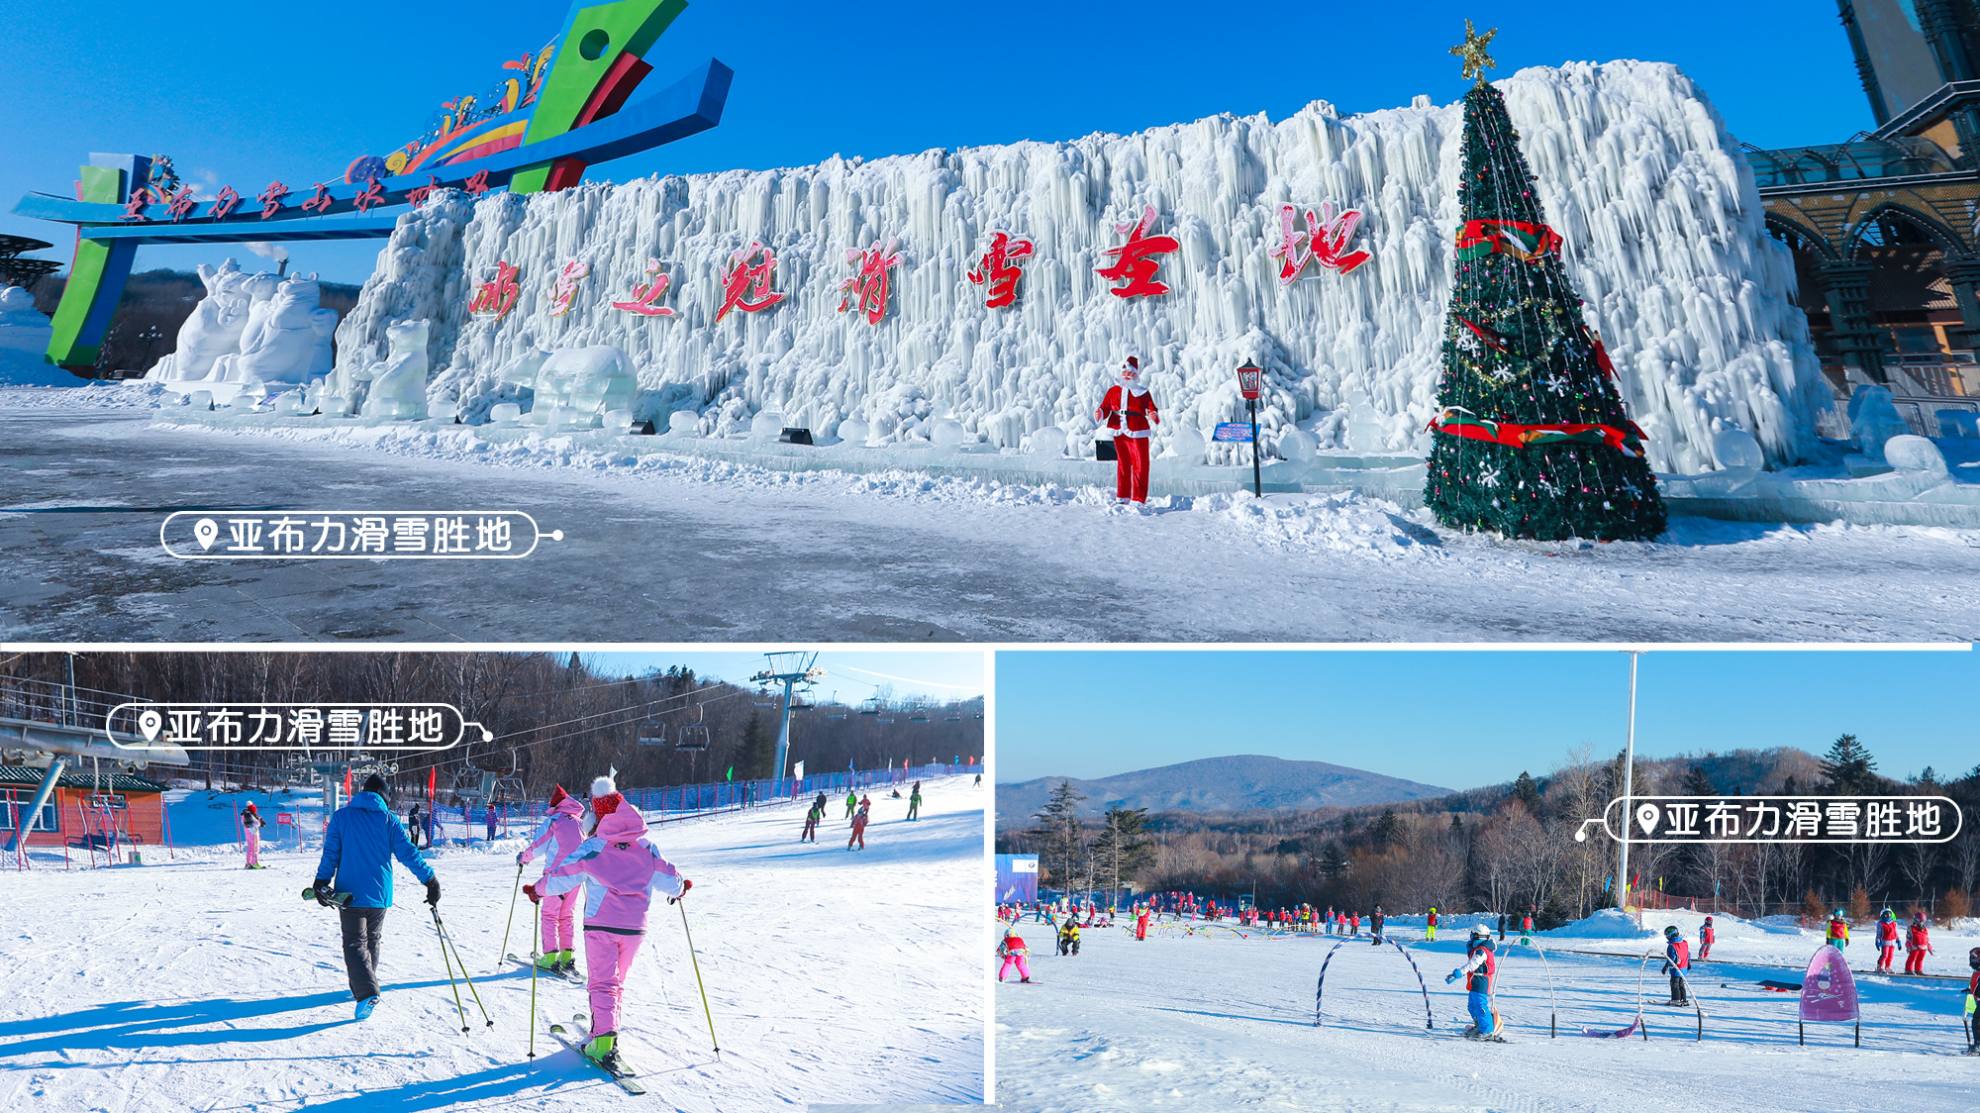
(1129, 410)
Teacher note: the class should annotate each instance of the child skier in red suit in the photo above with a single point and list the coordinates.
(859, 824)
(1918, 944)
(1129, 410)
(1887, 940)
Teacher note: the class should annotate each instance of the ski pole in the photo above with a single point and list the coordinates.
(447, 940)
(532, 979)
(697, 977)
(511, 921)
(451, 984)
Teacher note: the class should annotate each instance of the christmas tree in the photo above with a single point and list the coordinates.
(1530, 436)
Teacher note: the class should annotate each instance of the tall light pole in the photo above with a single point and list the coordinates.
(1629, 785)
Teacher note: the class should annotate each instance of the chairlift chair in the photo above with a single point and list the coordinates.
(694, 732)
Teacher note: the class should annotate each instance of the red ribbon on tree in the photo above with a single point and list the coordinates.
(1523, 241)
(1491, 338)
(1456, 421)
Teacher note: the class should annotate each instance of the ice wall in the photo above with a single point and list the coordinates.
(1662, 222)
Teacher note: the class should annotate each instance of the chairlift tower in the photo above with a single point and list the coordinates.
(792, 669)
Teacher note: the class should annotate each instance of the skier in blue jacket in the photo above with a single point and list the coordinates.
(1480, 970)
(1677, 963)
(355, 876)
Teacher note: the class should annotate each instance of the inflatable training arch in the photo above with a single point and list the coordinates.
(583, 113)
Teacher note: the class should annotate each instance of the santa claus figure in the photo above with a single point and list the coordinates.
(1129, 410)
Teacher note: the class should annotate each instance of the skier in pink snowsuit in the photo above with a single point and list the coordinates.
(251, 825)
(556, 836)
(1015, 954)
(621, 871)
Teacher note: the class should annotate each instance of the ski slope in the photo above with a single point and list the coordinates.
(1218, 1021)
(834, 977)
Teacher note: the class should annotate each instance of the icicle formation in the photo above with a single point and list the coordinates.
(1530, 436)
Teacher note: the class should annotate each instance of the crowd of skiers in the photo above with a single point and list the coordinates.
(1479, 971)
(859, 812)
(600, 851)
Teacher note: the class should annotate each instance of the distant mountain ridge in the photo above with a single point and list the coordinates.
(1244, 782)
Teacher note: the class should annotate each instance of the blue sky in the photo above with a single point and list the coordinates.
(1464, 719)
(298, 95)
(851, 675)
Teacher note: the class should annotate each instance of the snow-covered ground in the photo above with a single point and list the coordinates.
(79, 395)
(898, 556)
(1219, 1021)
(834, 977)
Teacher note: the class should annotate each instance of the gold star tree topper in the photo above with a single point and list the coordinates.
(1474, 51)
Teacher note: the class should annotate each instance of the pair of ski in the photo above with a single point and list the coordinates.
(623, 1074)
(571, 975)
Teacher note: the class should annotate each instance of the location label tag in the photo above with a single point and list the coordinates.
(1647, 816)
(206, 531)
(149, 723)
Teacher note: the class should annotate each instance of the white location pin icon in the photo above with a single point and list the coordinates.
(148, 724)
(1646, 817)
(206, 531)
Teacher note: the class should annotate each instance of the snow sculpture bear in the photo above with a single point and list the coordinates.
(289, 341)
(398, 385)
(575, 387)
(1873, 420)
(212, 331)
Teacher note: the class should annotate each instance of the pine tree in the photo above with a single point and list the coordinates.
(1123, 849)
(1527, 791)
(1697, 782)
(759, 751)
(1064, 842)
(1848, 768)
(1387, 829)
(1531, 440)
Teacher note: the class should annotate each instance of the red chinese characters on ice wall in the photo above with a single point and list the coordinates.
(645, 300)
(866, 291)
(1135, 264)
(564, 294)
(499, 294)
(747, 286)
(1323, 242)
(999, 270)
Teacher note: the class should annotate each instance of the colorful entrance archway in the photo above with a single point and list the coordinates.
(583, 114)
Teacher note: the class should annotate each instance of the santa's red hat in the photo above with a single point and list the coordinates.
(558, 796)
